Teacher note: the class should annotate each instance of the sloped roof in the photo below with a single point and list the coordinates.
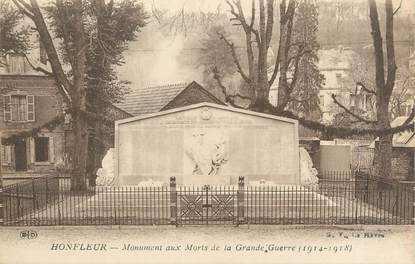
(150, 99)
(403, 139)
(155, 98)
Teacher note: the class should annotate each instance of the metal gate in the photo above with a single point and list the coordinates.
(206, 205)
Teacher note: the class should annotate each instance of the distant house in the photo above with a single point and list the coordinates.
(335, 66)
(157, 98)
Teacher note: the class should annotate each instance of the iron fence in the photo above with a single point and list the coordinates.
(100, 205)
(342, 198)
(22, 198)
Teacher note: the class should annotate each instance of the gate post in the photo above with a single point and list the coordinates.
(241, 200)
(173, 201)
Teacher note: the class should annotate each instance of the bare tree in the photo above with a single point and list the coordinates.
(384, 84)
(286, 65)
(258, 37)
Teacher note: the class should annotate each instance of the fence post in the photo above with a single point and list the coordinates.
(241, 200)
(173, 201)
(1, 201)
(413, 206)
(33, 194)
(47, 190)
(18, 200)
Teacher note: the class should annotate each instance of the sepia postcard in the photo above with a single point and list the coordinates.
(207, 131)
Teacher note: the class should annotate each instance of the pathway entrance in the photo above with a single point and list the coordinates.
(206, 205)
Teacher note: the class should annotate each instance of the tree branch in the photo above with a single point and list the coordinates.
(397, 9)
(62, 16)
(251, 25)
(22, 9)
(410, 117)
(235, 57)
(248, 29)
(377, 42)
(275, 72)
(365, 88)
(295, 76)
(64, 86)
(344, 131)
(26, 5)
(229, 98)
(390, 50)
(270, 22)
(350, 112)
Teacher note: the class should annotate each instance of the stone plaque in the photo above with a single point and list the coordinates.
(206, 144)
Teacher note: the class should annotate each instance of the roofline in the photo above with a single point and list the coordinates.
(410, 138)
(199, 105)
(200, 87)
(398, 144)
(121, 110)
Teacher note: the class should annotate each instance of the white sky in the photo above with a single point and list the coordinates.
(147, 68)
(211, 5)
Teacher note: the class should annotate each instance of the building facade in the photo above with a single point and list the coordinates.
(29, 101)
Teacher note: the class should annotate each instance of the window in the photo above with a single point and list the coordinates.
(16, 63)
(321, 97)
(19, 108)
(41, 149)
(353, 100)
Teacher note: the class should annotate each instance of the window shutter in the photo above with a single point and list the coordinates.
(6, 154)
(51, 150)
(32, 149)
(30, 108)
(7, 108)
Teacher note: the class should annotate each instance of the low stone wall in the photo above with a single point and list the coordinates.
(403, 163)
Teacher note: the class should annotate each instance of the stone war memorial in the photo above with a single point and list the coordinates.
(206, 144)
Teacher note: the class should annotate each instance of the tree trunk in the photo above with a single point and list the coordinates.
(383, 150)
(286, 23)
(97, 151)
(383, 157)
(80, 124)
(78, 177)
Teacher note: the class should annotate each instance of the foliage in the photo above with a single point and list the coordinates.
(215, 53)
(64, 164)
(344, 119)
(12, 37)
(304, 98)
(108, 28)
(91, 36)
